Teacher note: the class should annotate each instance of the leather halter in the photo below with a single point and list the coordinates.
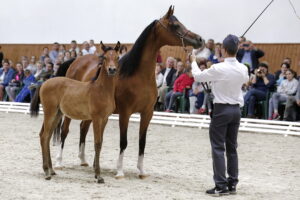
(181, 36)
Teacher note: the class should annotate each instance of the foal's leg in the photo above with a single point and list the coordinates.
(123, 123)
(98, 125)
(64, 134)
(145, 120)
(84, 128)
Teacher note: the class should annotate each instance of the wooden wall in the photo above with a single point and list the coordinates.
(274, 53)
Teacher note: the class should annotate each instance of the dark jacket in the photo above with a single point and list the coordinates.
(169, 76)
(260, 85)
(255, 55)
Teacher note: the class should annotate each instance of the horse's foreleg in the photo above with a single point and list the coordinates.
(98, 125)
(145, 120)
(123, 123)
(84, 128)
(64, 134)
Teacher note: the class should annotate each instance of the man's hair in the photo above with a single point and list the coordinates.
(230, 44)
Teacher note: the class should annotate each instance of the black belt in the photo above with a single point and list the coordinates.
(226, 104)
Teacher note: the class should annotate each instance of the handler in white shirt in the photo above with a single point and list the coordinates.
(226, 79)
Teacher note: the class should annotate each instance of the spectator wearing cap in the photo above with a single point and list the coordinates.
(248, 53)
(226, 79)
(262, 83)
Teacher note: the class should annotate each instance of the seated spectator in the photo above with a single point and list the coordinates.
(44, 54)
(67, 56)
(16, 83)
(93, 49)
(207, 101)
(6, 75)
(39, 69)
(287, 60)
(210, 44)
(202, 53)
(24, 61)
(292, 106)
(74, 47)
(261, 84)
(46, 61)
(54, 52)
(216, 56)
(27, 81)
(246, 87)
(73, 54)
(159, 77)
(32, 65)
(168, 74)
(280, 74)
(179, 70)
(61, 50)
(184, 81)
(122, 51)
(248, 53)
(287, 88)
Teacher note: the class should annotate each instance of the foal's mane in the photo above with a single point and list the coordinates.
(129, 63)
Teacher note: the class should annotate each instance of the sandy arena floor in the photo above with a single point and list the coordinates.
(177, 159)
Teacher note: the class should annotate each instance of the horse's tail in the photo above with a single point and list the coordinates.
(35, 103)
(63, 68)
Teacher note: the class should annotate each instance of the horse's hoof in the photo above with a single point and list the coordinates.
(119, 177)
(100, 180)
(84, 164)
(53, 173)
(143, 176)
(48, 178)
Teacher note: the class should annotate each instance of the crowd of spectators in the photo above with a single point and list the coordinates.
(280, 91)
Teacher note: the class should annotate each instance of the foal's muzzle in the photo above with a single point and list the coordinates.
(112, 71)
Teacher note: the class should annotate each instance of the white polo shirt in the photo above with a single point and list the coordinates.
(226, 79)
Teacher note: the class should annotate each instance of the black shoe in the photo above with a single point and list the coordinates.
(232, 189)
(217, 191)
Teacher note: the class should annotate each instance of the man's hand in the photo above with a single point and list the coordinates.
(298, 102)
(193, 57)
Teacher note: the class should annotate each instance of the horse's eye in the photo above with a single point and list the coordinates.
(175, 26)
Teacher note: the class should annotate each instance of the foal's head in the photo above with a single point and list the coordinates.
(175, 33)
(110, 58)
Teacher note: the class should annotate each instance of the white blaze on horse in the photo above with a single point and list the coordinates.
(93, 100)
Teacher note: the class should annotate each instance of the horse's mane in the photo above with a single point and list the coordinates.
(129, 62)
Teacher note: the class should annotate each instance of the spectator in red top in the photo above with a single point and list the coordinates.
(185, 80)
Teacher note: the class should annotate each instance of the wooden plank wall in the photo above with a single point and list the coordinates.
(274, 53)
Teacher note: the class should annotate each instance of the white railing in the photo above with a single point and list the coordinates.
(187, 120)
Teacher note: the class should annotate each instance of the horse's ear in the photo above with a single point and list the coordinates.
(117, 47)
(170, 12)
(103, 47)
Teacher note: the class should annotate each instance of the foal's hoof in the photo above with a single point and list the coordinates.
(48, 178)
(84, 164)
(100, 180)
(53, 173)
(143, 176)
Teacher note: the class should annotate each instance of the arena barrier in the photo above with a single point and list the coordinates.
(187, 120)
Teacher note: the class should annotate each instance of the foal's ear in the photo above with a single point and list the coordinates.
(103, 47)
(170, 12)
(118, 45)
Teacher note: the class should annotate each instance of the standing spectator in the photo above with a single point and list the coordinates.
(16, 83)
(211, 46)
(61, 50)
(280, 74)
(27, 81)
(32, 65)
(168, 74)
(93, 48)
(249, 54)
(44, 54)
(86, 48)
(73, 54)
(74, 47)
(184, 81)
(1, 56)
(6, 75)
(216, 56)
(54, 52)
(287, 88)
(292, 105)
(261, 84)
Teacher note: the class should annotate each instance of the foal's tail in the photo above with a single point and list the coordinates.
(63, 68)
(35, 103)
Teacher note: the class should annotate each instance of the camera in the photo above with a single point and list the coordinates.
(259, 71)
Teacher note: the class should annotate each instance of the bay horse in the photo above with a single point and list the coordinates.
(136, 90)
(93, 100)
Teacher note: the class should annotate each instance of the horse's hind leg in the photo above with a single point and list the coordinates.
(84, 128)
(64, 134)
(145, 120)
(123, 123)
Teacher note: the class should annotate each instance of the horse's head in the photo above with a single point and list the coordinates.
(110, 58)
(175, 33)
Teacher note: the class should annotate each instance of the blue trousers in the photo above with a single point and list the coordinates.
(252, 96)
